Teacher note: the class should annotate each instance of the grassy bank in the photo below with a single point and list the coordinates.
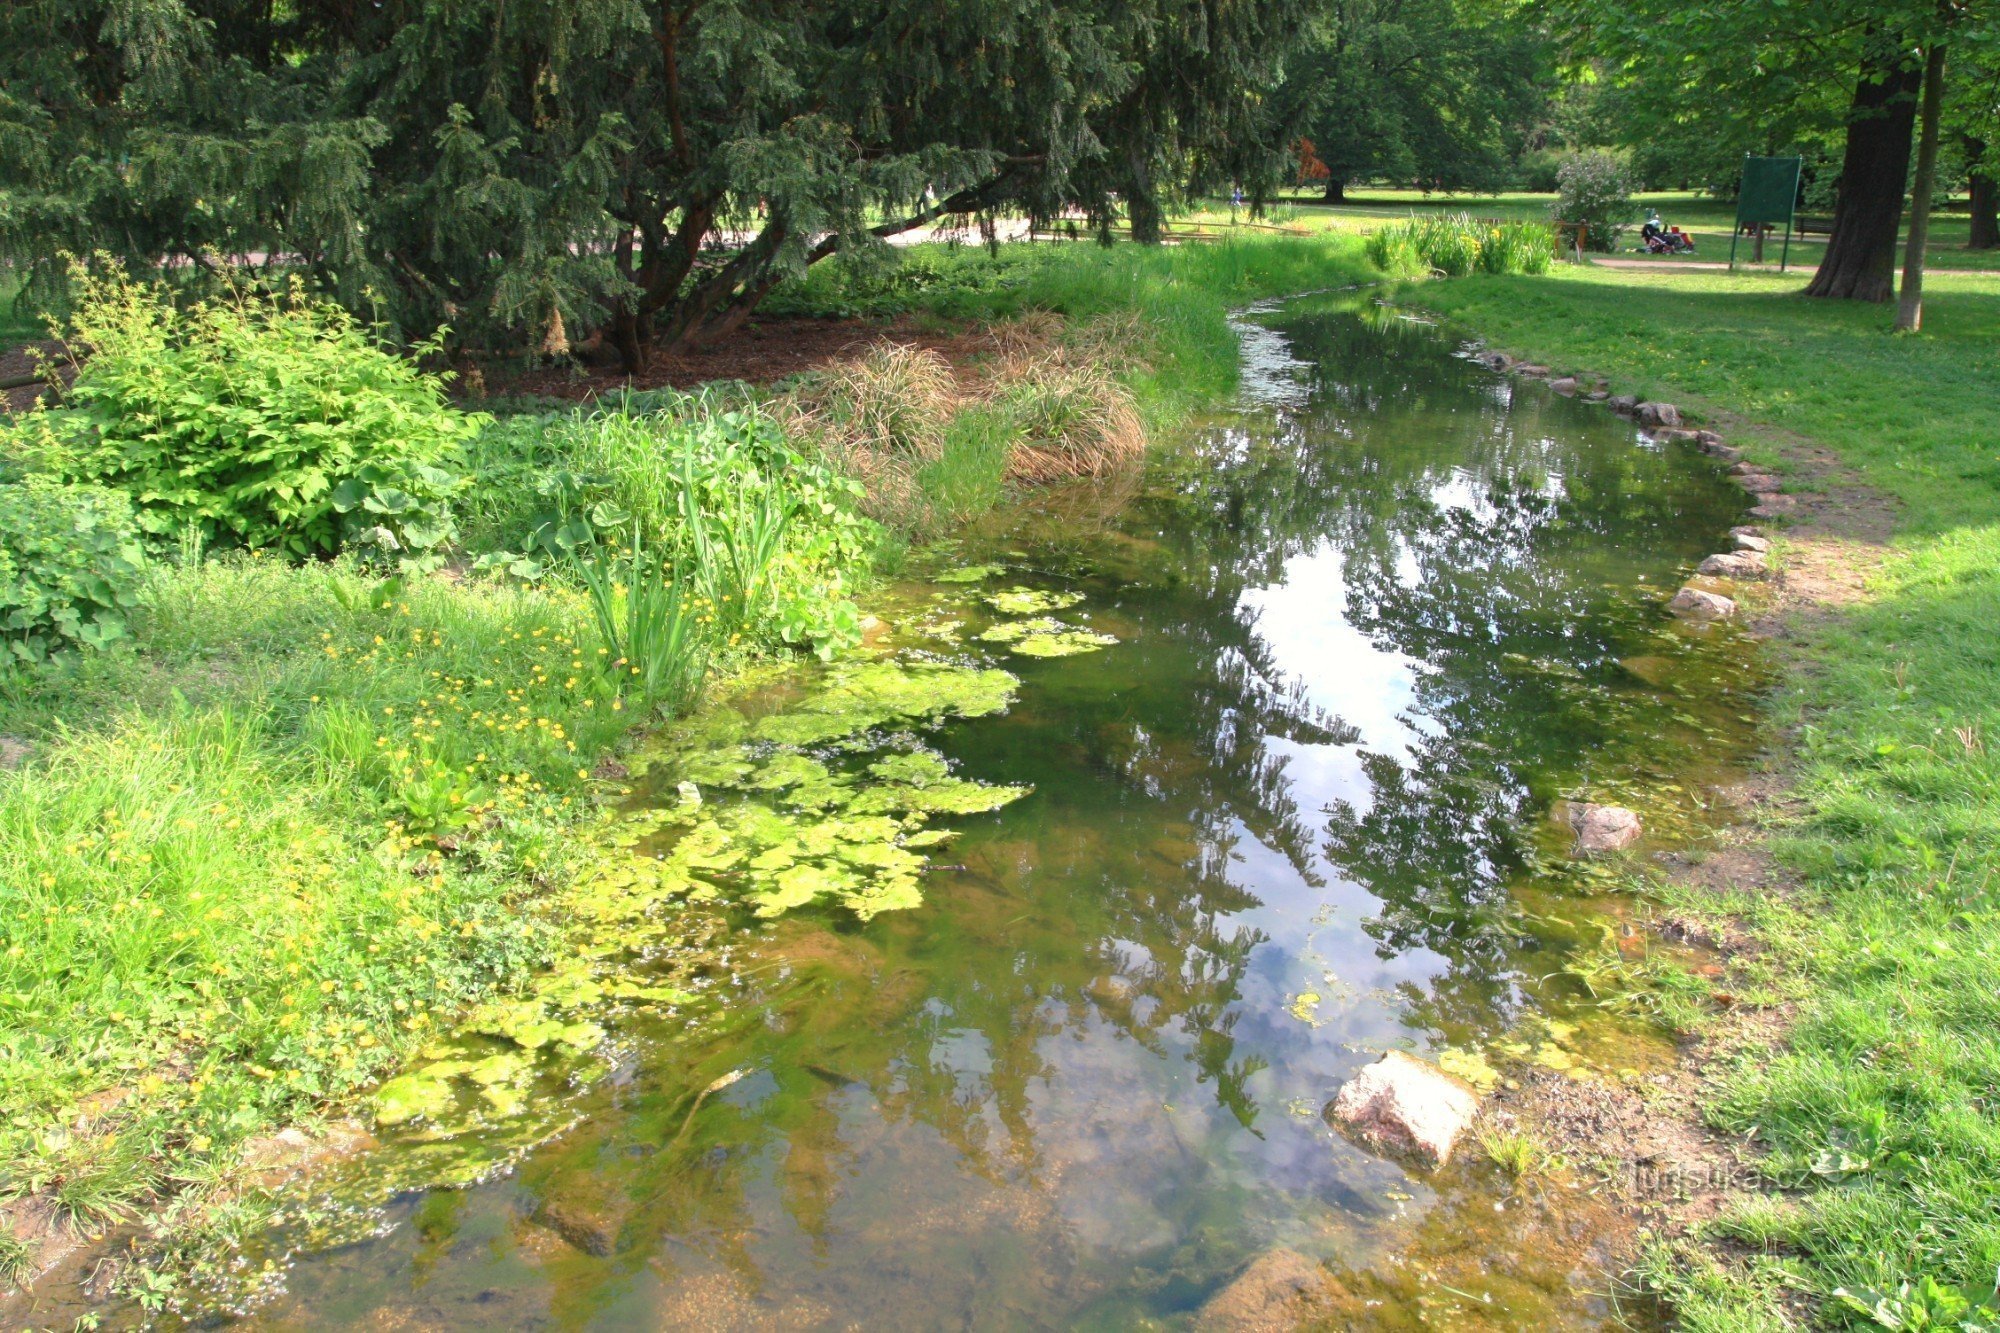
(300, 814)
(1880, 1113)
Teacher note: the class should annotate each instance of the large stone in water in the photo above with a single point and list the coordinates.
(1697, 604)
(1734, 565)
(1658, 414)
(1623, 402)
(1604, 828)
(1749, 539)
(1564, 385)
(1406, 1107)
(1274, 1293)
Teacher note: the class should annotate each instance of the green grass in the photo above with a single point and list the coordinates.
(18, 324)
(1883, 1104)
(1710, 221)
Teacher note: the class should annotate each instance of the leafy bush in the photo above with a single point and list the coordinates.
(720, 497)
(1456, 244)
(261, 422)
(70, 565)
(1595, 189)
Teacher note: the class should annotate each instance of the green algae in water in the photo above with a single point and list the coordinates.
(860, 698)
(1045, 636)
(969, 574)
(1019, 601)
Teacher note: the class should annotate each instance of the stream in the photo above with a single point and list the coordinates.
(1274, 794)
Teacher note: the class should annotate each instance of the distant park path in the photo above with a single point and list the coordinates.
(1718, 266)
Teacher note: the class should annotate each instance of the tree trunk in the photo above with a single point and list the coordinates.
(1336, 190)
(1985, 198)
(1860, 261)
(1142, 204)
(1910, 307)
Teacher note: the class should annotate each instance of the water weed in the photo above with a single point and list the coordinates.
(1457, 244)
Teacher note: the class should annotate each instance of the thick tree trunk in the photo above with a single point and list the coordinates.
(1142, 203)
(1910, 307)
(1860, 262)
(1985, 197)
(1336, 190)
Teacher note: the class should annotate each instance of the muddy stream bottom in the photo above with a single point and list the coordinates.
(1166, 805)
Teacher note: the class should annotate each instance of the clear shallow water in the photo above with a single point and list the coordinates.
(1372, 625)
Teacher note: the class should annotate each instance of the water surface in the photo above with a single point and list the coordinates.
(1373, 623)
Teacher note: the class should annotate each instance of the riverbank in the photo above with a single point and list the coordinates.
(304, 817)
(1857, 1055)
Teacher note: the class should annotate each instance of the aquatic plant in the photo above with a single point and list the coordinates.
(651, 622)
(1457, 244)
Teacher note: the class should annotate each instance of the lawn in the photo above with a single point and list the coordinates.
(1709, 221)
(1881, 1110)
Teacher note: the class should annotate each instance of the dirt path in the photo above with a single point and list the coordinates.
(1743, 265)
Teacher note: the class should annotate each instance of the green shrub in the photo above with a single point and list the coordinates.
(70, 565)
(259, 422)
(1596, 190)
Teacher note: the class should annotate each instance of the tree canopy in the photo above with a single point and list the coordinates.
(517, 167)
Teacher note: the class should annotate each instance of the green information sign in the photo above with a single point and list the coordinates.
(1768, 195)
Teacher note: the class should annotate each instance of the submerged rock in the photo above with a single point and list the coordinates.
(1404, 1106)
(1564, 385)
(1734, 565)
(1658, 414)
(1604, 828)
(1277, 1289)
(1698, 604)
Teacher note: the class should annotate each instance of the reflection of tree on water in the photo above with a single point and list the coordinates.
(1111, 904)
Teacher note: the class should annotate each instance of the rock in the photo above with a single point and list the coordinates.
(1708, 438)
(1673, 435)
(1658, 414)
(1532, 372)
(1597, 395)
(1564, 385)
(1734, 565)
(1726, 453)
(1695, 604)
(1272, 1293)
(1498, 360)
(1758, 483)
(1603, 828)
(14, 752)
(590, 1226)
(1749, 539)
(1623, 402)
(1405, 1106)
(1774, 506)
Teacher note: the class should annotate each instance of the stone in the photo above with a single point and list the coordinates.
(1734, 565)
(1404, 1106)
(1726, 453)
(1623, 402)
(1774, 506)
(1673, 435)
(1758, 483)
(1498, 360)
(1708, 438)
(14, 752)
(1532, 372)
(1658, 414)
(1564, 385)
(1597, 395)
(1603, 828)
(1749, 539)
(1696, 604)
(1271, 1294)
(593, 1226)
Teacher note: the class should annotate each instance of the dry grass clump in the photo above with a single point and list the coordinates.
(926, 442)
(1074, 417)
(894, 399)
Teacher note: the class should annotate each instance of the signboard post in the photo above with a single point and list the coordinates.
(1768, 194)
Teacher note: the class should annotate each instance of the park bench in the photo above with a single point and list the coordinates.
(1811, 224)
